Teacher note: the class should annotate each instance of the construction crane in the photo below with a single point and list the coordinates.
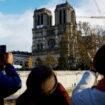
(92, 17)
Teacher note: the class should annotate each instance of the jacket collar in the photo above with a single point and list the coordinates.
(100, 85)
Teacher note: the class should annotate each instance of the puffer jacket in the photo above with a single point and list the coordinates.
(86, 93)
(9, 82)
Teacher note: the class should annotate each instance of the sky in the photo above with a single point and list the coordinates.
(16, 18)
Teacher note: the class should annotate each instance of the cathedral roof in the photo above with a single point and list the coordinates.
(42, 9)
(66, 4)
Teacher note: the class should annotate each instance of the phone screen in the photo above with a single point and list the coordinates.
(2, 52)
(3, 49)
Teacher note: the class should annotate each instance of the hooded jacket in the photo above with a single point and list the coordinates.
(86, 93)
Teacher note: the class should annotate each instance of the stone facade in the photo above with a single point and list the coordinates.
(47, 37)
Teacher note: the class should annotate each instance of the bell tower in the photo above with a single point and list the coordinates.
(42, 17)
(47, 37)
(64, 14)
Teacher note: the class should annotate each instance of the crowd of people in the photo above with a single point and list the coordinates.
(43, 87)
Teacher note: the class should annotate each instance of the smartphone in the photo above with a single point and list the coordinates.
(2, 52)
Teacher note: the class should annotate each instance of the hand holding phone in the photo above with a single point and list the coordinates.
(9, 58)
(5, 58)
(2, 54)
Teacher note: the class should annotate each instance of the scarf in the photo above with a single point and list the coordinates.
(100, 85)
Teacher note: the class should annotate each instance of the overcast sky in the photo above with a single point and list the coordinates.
(16, 18)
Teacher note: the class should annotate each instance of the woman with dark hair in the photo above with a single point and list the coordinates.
(43, 89)
(88, 91)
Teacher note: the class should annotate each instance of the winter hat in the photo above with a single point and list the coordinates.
(41, 80)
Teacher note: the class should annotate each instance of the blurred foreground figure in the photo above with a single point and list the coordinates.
(43, 89)
(88, 91)
(9, 81)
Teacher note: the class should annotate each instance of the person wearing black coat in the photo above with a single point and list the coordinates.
(43, 89)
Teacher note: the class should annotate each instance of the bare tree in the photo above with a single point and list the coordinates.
(51, 61)
(89, 40)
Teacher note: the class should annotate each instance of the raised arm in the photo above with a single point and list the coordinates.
(81, 92)
(87, 81)
(9, 82)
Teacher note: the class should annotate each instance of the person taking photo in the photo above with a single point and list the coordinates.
(9, 81)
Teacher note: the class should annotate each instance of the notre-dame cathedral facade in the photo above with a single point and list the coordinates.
(46, 37)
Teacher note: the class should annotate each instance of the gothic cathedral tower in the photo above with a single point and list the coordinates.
(47, 37)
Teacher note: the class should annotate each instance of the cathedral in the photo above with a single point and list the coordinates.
(47, 37)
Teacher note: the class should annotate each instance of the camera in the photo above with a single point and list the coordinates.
(2, 52)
